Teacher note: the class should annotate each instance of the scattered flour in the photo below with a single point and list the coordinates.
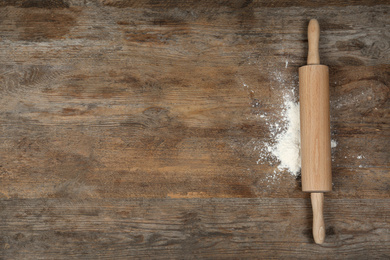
(286, 144)
(283, 143)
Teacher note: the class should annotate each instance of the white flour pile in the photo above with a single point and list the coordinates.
(287, 146)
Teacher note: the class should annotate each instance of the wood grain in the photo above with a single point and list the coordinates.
(191, 229)
(133, 129)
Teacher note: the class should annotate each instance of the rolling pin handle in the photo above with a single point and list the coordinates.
(317, 202)
(313, 35)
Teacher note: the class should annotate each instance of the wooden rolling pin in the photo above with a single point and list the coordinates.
(315, 130)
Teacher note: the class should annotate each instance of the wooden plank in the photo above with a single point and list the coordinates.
(105, 102)
(193, 4)
(191, 229)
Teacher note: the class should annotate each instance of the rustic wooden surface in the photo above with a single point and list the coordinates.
(132, 129)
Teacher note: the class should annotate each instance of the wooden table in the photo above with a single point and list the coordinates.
(131, 129)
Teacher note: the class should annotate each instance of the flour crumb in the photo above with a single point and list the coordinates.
(333, 144)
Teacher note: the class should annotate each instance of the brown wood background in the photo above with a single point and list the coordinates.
(130, 129)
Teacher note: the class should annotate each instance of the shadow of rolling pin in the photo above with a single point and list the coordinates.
(315, 130)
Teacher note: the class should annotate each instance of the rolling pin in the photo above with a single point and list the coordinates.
(315, 130)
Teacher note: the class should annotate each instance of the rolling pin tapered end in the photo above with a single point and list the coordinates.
(317, 202)
(313, 36)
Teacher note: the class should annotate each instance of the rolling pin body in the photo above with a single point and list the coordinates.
(315, 128)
